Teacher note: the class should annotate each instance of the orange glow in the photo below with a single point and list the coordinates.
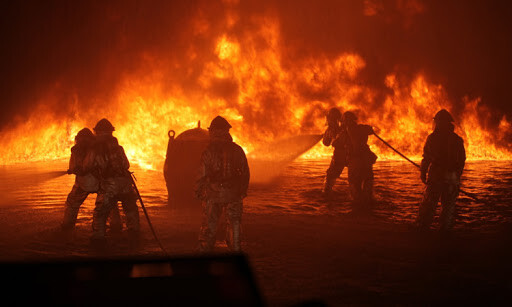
(227, 50)
(253, 70)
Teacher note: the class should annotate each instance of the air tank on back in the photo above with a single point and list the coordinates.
(181, 167)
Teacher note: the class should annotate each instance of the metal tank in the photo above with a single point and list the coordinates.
(181, 167)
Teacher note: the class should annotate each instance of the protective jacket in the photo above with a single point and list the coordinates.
(224, 171)
(359, 151)
(84, 179)
(336, 136)
(330, 135)
(107, 159)
(109, 163)
(444, 156)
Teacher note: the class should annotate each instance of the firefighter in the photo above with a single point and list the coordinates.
(85, 183)
(360, 162)
(443, 161)
(336, 136)
(222, 186)
(108, 162)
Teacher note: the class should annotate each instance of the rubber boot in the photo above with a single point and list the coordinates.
(328, 185)
(425, 216)
(69, 221)
(131, 212)
(115, 223)
(206, 244)
(206, 238)
(447, 217)
(368, 200)
(233, 237)
(99, 225)
(355, 193)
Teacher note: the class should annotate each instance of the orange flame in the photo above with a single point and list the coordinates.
(257, 80)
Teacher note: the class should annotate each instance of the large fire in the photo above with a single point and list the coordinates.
(264, 96)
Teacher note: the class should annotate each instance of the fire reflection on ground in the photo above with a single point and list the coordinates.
(32, 194)
(292, 235)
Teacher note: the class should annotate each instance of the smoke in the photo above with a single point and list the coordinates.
(75, 56)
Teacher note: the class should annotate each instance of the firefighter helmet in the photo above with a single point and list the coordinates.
(219, 122)
(84, 135)
(334, 114)
(104, 125)
(443, 116)
(349, 116)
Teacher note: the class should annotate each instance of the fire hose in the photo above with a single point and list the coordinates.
(470, 195)
(133, 179)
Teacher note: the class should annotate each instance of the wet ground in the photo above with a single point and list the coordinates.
(300, 245)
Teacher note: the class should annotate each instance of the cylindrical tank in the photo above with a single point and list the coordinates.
(181, 167)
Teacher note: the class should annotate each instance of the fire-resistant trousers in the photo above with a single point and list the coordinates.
(212, 211)
(334, 171)
(448, 193)
(111, 192)
(360, 179)
(75, 199)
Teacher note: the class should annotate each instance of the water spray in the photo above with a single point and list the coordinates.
(46, 176)
(470, 195)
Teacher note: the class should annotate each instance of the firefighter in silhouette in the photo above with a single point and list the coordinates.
(222, 186)
(85, 183)
(336, 136)
(443, 161)
(108, 162)
(360, 162)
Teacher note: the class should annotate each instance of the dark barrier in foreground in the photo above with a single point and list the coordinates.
(195, 281)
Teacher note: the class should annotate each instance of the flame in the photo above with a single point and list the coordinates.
(264, 97)
(227, 49)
